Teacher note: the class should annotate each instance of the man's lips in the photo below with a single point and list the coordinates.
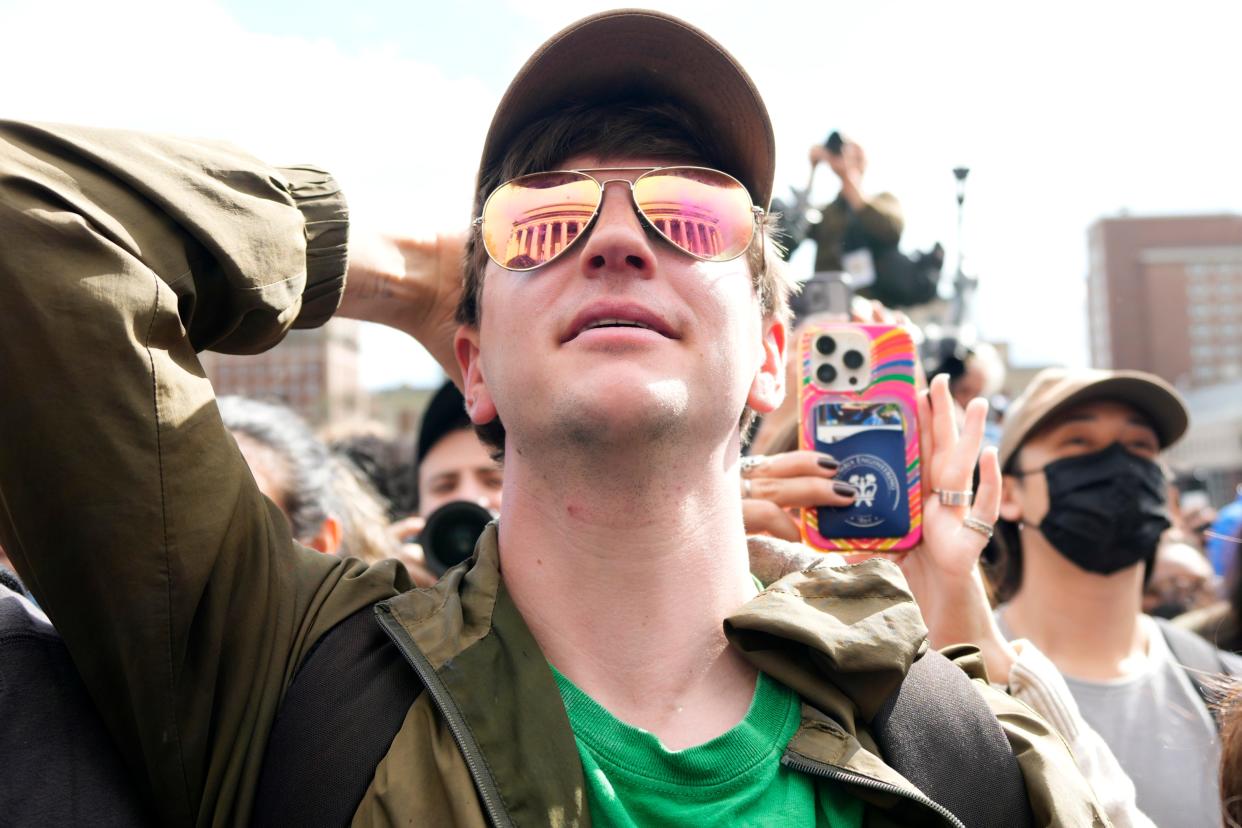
(617, 315)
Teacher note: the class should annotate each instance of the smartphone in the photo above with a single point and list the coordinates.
(857, 403)
(827, 291)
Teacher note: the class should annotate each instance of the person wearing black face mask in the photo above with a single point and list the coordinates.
(1083, 508)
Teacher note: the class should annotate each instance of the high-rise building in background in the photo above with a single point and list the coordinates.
(314, 372)
(1164, 295)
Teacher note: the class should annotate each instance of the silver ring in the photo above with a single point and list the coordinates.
(752, 462)
(745, 488)
(977, 525)
(954, 498)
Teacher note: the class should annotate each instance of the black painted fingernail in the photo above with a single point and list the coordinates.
(827, 462)
(844, 489)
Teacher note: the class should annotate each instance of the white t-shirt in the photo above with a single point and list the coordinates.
(1161, 732)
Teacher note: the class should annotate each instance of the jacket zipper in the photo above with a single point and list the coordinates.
(488, 792)
(836, 774)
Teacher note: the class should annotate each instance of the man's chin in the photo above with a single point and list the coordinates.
(621, 415)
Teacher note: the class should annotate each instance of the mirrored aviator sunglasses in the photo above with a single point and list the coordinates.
(531, 220)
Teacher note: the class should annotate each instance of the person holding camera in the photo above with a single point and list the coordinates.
(459, 488)
(854, 224)
(859, 233)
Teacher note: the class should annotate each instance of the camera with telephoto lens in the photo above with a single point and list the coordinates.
(451, 532)
(834, 143)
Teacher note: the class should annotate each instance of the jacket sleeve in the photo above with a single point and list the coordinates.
(1059, 793)
(124, 502)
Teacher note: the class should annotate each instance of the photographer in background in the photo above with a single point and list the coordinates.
(453, 469)
(859, 233)
(853, 222)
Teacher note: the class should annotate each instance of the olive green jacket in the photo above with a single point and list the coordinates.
(127, 508)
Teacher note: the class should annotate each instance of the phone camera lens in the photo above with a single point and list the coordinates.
(825, 345)
(852, 359)
(826, 373)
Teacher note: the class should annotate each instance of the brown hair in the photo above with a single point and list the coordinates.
(1231, 756)
(662, 131)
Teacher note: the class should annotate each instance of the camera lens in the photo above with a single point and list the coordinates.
(825, 345)
(451, 532)
(826, 374)
(852, 359)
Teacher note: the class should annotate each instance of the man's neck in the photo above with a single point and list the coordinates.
(624, 570)
(1087, 624)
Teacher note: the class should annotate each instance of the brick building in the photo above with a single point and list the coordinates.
(1165, 295)
(314, 372)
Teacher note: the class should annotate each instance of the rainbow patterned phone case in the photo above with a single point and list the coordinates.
(873, 432)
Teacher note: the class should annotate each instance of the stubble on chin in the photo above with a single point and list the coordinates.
(621, 428)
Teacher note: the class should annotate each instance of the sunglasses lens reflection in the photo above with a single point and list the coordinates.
(530, 220)
(704, 212)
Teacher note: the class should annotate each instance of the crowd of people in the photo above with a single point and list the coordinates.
(210, 614)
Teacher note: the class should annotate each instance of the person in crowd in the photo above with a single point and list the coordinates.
(1083, 510)
(1221, 622)
(58, 765)
(854, 221)
(385, 460)
(328, 501)
(452, 463)
(1181, 578)
(1221, 538)
(291, 466)
(624, 362)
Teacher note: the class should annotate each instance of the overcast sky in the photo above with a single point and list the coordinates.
(1065, 112)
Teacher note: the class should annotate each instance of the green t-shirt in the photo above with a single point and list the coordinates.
(735, 779)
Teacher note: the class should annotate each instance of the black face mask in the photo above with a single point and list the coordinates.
(1106, 510)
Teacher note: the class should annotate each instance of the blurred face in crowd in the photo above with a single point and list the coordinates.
(540, 358)
(1083, 429)
(267, 468)
(1181, 580)
(458, 467)
(272, 478)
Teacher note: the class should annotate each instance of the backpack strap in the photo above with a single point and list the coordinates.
(1199, 659)
(937, 731)
(336, 722)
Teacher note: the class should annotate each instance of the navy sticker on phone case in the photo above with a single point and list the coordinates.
(869, 442)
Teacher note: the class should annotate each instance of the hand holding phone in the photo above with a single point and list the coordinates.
(857, 403)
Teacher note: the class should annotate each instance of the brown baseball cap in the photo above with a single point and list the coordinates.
(642, 54)
(1053, 390)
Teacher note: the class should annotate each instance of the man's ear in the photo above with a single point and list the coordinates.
(328, 539)
(479, 405)
(1011, 503)
(768, 388)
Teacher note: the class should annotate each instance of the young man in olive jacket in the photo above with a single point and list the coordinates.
(623, 352)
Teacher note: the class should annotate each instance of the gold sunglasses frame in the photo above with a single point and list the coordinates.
(757, 212)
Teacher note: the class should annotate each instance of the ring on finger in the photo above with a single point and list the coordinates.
(751, 463)
(973, 523)
(951, 498)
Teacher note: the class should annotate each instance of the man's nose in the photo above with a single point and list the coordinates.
(618, 243)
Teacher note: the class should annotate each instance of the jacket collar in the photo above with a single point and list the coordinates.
(842, 637)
